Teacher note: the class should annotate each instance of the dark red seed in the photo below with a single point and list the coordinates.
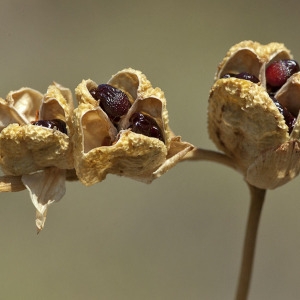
(112, 100)
(144, 124)
(288, 117)
(247, 76)
(278, 72)
(51, 124)
(243, 75)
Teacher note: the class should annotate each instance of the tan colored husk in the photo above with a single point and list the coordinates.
(244, 122)
(251, 57)
(38, 156)
(29, 148)
(100, 148)
(26, 148)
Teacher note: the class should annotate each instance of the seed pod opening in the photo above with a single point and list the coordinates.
(253, 123)
(26, 148)
(105, 145)
(35, 143)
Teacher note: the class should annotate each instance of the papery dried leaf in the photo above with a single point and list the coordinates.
(45, 187)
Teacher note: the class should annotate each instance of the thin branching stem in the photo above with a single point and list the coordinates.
(11, 184)
(256, 204)
(14, 184)
(210, 155)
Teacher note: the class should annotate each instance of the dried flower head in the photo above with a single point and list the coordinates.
(253, 120)
(35, 132)
(122, 128)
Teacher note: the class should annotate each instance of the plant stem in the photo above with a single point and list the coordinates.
(256, 204)
(11, 184)
(210, 155)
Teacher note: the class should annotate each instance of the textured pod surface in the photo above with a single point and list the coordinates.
(26, 148)
(244, 122)
(29, 148)
(100, 147)
(39, 155)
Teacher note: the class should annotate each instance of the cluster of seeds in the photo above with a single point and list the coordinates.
(118, 128)
(277, 73)
(115, 103)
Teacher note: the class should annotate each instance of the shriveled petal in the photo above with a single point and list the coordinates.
(45, 187)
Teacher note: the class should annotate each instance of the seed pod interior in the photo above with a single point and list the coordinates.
(26, 148)
(105, 145)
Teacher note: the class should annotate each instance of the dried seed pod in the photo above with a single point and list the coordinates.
(104, 147)
(245, 122)
(38, 154)
(26, 148)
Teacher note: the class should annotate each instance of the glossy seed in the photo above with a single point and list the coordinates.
(112, 100)
(242, 75)
(288, 117)
(60, 125)
(144, 124)
(278, 72)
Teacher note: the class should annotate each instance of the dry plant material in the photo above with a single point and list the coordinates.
(122, 128)
(35, 145)
(253, 112)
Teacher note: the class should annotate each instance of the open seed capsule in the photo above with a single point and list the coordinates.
(104, 145)
(26, 148)
(246, 122)
(39, 151)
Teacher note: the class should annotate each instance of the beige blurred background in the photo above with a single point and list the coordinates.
(181, 236)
